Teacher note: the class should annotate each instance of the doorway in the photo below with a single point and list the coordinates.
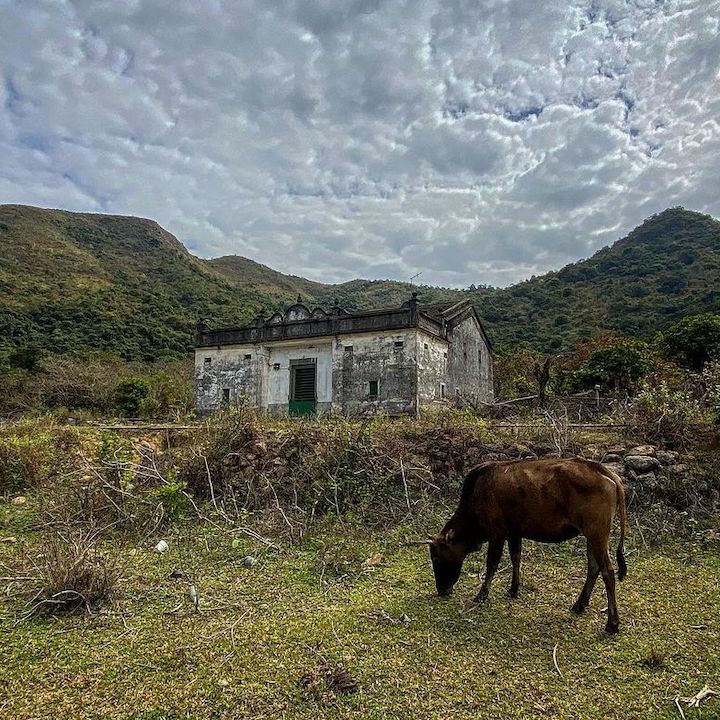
(303, 397)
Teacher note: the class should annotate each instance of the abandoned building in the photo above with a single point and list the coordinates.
(389, 361)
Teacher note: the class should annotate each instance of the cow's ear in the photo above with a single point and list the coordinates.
(450, 537)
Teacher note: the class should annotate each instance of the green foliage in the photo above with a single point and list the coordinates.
(617, 367)
(693, 341)
(669, 417)
(72, 283)
(26, 455)
(25, 358)
(133, 397)
(174, 499)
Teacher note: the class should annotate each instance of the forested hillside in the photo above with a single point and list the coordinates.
(71, 283)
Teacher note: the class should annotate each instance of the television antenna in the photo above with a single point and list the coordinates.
(412, 277)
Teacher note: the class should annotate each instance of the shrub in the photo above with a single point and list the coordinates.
(27, 454)
(133, 397)
(76, 574)
(669, 417)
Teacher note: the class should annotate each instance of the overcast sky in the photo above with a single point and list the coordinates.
(475, 141)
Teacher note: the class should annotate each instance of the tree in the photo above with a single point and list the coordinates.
(692, 341)
(133, 397)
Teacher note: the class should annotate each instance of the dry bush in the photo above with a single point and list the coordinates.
(374, 469)
(76, 574)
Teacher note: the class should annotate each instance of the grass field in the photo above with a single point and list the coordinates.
(301, 611)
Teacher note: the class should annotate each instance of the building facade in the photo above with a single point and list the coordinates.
(302, 362)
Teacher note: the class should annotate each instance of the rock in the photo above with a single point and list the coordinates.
(667, 457)
(518, 450)
(544, 449)
(9, 540)
(678, 470)
(161, 547)
(18, 501)
(618, 468)
(176, 574)
(611, 458)
(641, 463)
(649, 450)
(248, 561)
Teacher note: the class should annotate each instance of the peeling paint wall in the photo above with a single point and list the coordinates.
(408, 369)
(387, 359)
(469, 362)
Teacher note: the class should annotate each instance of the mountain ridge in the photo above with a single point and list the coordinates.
(78, 282)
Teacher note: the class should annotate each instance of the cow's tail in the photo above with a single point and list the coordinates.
(622, 514)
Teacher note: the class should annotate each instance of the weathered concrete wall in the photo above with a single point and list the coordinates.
(410, 366)
(469, 361)
(228, 369)
(263, 379)
(432, 369)
(375, 357)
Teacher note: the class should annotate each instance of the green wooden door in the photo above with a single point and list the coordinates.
(302, 390)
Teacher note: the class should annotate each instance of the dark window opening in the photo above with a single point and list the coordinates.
(226, 395)
(348, 349)
(399, 343)
(248, 356)
(442, 390)
(208, 362)
(303, 389)
(373, 388)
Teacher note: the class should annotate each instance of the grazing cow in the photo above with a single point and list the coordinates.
(547, 500)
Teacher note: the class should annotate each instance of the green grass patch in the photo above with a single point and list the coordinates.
(262, 629)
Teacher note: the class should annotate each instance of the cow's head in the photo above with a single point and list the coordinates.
(447, 554)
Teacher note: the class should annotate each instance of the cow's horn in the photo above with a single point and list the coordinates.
(420, 542)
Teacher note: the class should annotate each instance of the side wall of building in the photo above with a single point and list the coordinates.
(469, 362)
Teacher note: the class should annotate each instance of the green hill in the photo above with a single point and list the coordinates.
(666, 268)
(73, 282)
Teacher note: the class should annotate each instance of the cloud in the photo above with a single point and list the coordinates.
(475, 142)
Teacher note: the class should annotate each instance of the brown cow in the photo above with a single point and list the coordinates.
(546, 500)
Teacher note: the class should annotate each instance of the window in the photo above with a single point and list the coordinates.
(208, 362)
(442, 390)
(276, 366)
(374, 388)
(426, 347)
(348, 350)
(399, 344)
(226, 395)
(248, 356)
(445, 355)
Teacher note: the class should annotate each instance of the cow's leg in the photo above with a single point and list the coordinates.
(593, 570)
(515, 548)
(599, 548)
(494, 553)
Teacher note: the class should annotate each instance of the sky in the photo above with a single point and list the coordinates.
(472, 141)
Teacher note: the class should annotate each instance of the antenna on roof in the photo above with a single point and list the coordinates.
(412, 277)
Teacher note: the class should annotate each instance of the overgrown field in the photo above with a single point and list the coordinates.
(266, 636)
(335, 614)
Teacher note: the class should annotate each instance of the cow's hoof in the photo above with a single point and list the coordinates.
(480, 600)
(513, 592)
(612, 628)
(578, 608)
